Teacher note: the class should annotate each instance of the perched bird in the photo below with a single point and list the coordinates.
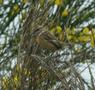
(45, 39)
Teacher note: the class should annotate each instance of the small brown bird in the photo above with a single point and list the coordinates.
(45, 39)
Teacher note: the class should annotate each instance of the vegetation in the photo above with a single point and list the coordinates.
(24, 65)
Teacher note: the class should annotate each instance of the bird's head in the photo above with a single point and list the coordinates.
(36, 31)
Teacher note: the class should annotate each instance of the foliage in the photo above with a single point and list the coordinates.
(26, 66)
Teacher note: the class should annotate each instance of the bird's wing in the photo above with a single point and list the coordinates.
(51, 39)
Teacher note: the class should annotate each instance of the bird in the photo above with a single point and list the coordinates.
(45, 39)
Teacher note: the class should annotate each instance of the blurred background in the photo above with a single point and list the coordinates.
(72, 22)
